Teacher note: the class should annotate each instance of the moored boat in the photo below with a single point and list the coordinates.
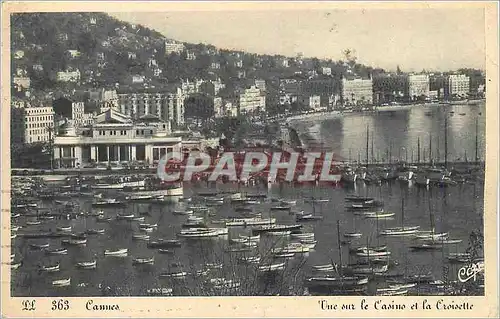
(87, 264)
(61, 282)
(119, 252)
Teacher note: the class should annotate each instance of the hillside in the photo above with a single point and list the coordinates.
(110, 51)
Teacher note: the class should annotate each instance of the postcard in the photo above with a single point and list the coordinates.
(249, 159)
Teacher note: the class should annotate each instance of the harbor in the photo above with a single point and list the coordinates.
(392, 226)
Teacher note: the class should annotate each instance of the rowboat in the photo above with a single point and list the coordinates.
(61, 282)
(307, 217)
(148, 225)
(74, 241)
(175, 274)
(138, 218)
(275, 228)
(57, 251)
(323, 268)
(64, 228)
(164, 243)
(103, 219)
(140, 237)
(143, 261)
(14, 228)
(50, 268)
(283, 254)
(33, 222)
(358, 199)
(118, 253)
(94, 231)
(199, 234)
(380, 215)
(87, 264)
(125, 217)
(373, 254)
(147, 229)
(279, 233)
(40, 246)
(272, 267)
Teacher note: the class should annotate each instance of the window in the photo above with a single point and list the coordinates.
(137, 132)
(151, 132)
(142, 132)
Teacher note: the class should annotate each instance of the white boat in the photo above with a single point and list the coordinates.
(160, 291)
(15, 265)
(399, 292)
(75, 241)
(148, 225)
(119, 252)
(272, 267)
(400, 231)
(198, 234)
(373, 254)
(430, 236)
(61, 282)
(14, 228)
(249, 221)
(147, 229)
(324, 268)
(289, 202)
(144, 261)
(40, 246)
(380, 215)
(87, 264)
(57, 251)
(94, 231)
(279, 233)
(138, 218)
(64, 228)
(175, 274)
(33, 222)
(366, 269)
(140, 237)
(50, 268)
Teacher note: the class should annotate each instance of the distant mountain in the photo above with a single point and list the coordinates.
(107, 51)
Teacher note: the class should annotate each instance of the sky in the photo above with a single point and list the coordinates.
(427, 38)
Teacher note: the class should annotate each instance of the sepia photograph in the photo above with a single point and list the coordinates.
(308, 152)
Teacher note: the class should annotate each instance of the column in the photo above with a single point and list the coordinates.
(107, 153)
(97, 154)
(119, 150)
(133, 152)
(93, 153)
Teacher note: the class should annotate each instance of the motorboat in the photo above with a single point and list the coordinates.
(87, 264)
(118, 253)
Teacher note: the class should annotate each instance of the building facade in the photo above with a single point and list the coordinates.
(173, 47)
(357, 92)
(168, 106)
(457, 86)
(418, 86)
(114, 138)
(252, 100)
(31, 124)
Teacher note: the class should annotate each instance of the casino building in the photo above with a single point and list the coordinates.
(114, 138)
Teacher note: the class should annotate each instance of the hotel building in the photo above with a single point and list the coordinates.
(357, 92)
(31, 124)
(418, 86)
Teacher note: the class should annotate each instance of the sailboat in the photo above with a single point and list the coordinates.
(303, 217)
(403, 230)
(340, 283)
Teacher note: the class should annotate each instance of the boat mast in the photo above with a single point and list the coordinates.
(367, 142)
(430, 149)
(475, 157)
(340, 249)
(403, 213)
(446, 141)
(373, 152)
(418, 149)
